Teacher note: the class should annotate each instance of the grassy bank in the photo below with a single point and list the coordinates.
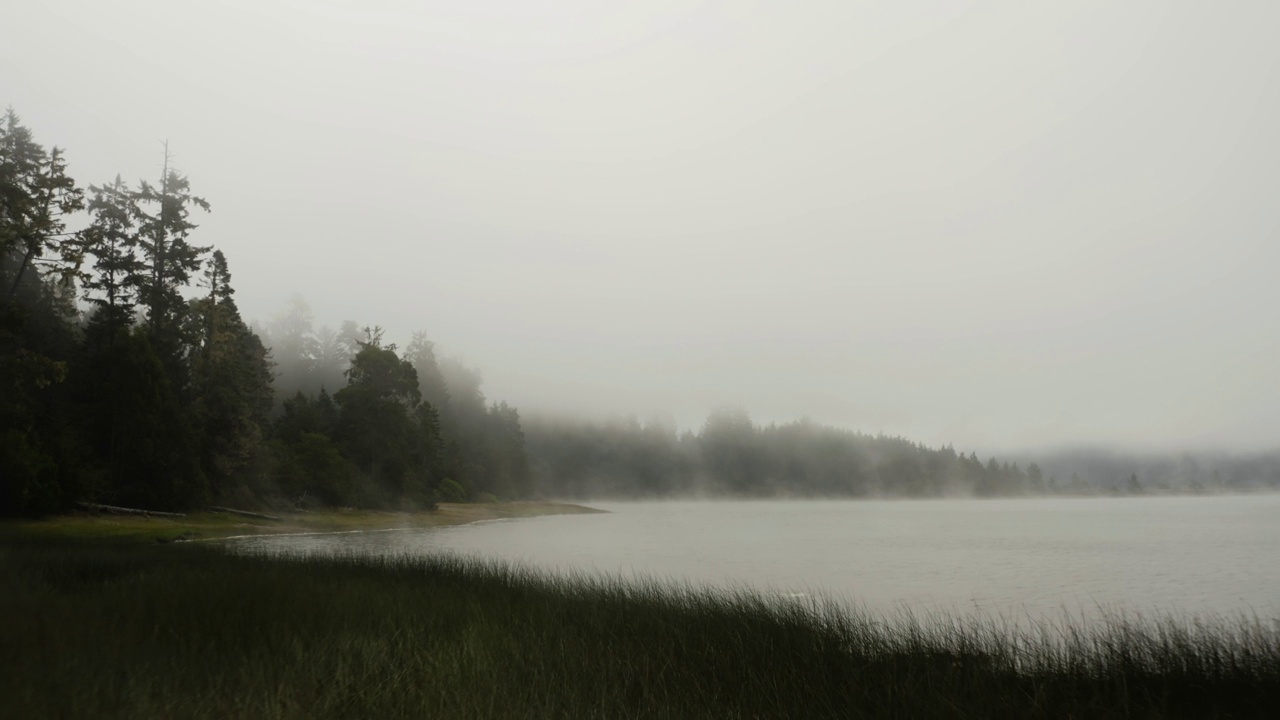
(106, 527)
(189, 630)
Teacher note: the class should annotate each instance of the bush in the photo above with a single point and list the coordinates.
(452, 491)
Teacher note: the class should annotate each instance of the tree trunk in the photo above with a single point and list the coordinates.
(245, 513)
(126, 511)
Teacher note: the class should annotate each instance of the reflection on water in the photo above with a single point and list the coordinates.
(1016, 558)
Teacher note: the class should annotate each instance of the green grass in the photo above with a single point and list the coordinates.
(194, 631)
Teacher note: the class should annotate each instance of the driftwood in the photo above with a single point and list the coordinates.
(245, 513)
(126, 511)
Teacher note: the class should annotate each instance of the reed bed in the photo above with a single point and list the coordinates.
(196, 631)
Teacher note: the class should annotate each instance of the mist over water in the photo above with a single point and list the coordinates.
(1018, 559)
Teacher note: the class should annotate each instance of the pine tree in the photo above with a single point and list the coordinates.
(112, 240)
(420, 352)
(231, 373)
(141, 432)
(297, 352)
(376, 428)
(36, 196)
(1035, 478)
(37, 265)
(169, 259)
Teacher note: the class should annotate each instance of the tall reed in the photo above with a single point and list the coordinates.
(189, 631)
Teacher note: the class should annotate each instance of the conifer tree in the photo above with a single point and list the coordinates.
(169, 259)
(231, 381)
(36, 196)
(112, 240)
(36, 333)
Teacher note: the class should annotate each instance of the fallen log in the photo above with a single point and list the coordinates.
(126, 511)
(245, 513)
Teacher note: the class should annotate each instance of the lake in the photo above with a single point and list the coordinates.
(1013, 558)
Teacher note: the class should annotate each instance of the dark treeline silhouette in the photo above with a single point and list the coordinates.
(468, 448)
(149, 397)
(128, 377)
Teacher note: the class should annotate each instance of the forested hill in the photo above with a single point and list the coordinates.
(129, 377)
(1108, 470)
(730, 456)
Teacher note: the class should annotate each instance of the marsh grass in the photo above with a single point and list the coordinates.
(195, 631)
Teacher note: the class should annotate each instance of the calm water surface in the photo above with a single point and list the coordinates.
(1014, 558)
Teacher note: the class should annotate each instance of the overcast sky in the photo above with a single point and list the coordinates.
(995, 224)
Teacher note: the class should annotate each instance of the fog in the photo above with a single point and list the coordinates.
(998, 225)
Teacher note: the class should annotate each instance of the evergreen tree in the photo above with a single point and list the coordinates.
(36, 196)
(377, 421)
(112, 240)
(502, 454)
(169, 259)
(331, 360)
(728, 443)
(309, 466)
(420, 352)
(297, 352)
(142, 433)
(1035, 479)
(37, 264)
(232, 382)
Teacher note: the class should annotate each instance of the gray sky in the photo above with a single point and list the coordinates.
(997, 224)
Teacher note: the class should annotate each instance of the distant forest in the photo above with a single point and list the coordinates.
(129, 377)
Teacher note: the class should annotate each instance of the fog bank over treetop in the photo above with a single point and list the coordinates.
(996, 225)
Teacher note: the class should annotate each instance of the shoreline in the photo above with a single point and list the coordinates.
(104, 622)
(212, 525)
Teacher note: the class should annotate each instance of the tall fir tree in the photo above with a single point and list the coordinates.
(112, 240)
(37, 336)
(36, 197)
(169, 258)
(231, 382)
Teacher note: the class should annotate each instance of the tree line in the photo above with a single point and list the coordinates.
(732, 456)
(128, 376)
(391, 406)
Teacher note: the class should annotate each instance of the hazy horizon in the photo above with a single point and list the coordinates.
(992, 225)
